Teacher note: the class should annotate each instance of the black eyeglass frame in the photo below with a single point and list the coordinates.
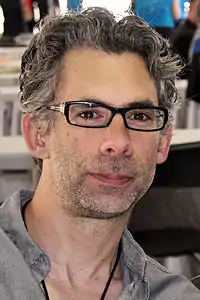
(64, 107)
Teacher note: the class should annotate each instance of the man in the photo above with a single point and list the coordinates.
(97, 96)
(183, 35)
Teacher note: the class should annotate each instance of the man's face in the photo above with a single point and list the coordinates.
(101, 173)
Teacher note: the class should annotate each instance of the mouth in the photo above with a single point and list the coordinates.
(112, 180)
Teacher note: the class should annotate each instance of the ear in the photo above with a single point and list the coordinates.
(34, 140)
(164, 146)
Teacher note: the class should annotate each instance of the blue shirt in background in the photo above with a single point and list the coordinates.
(157, 13)
(73, 4)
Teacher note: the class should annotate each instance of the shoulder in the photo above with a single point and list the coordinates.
(11, 260)
(166, 285)
(17, 281)
(162, 284)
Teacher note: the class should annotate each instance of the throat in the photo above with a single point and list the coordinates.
(52, 287)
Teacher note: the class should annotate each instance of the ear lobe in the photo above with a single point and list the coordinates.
(34, 141)
(164, 146)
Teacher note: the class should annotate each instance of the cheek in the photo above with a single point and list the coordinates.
(74, 147)
(145, 146)
(87, 140)
(67, 158)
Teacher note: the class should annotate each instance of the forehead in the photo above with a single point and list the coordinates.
(116, 79)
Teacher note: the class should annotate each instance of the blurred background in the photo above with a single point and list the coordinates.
(166, 222)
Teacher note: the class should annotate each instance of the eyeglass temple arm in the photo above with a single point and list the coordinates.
(58, 107)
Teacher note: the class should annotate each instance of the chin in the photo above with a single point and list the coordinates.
(109, 207)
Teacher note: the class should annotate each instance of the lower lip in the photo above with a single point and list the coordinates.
(114, 182)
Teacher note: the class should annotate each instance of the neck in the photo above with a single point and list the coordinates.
(77, 248)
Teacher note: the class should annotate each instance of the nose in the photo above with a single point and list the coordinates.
(116, 141)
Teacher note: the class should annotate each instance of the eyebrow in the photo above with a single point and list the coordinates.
(133, 104)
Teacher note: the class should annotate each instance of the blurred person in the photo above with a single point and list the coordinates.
(194, 43)
(97, 102)
(43, 9)
(193, 89)
(13, 22)
(160, 14)
(183, 11)
(183, 35)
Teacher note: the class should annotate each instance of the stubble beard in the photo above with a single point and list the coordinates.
(79, 200)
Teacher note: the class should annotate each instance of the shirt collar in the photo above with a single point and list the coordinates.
(11, 221)
(134, 257)
(13, 225)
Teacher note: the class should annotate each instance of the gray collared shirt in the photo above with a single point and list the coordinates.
(23, 265)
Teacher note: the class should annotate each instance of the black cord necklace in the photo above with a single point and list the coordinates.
(107, 284)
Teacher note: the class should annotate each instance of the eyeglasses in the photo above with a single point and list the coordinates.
(97, 115)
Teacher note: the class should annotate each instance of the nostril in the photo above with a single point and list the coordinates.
(117, 150)
(109, 150)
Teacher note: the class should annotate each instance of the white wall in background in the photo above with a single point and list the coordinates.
(63, 6)
(117, 6)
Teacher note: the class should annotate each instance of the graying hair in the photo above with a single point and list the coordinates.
(95, 28)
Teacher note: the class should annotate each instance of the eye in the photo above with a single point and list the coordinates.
(140, 116)
(88, 115)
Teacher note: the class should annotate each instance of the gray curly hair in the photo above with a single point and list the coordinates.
(99, 29)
